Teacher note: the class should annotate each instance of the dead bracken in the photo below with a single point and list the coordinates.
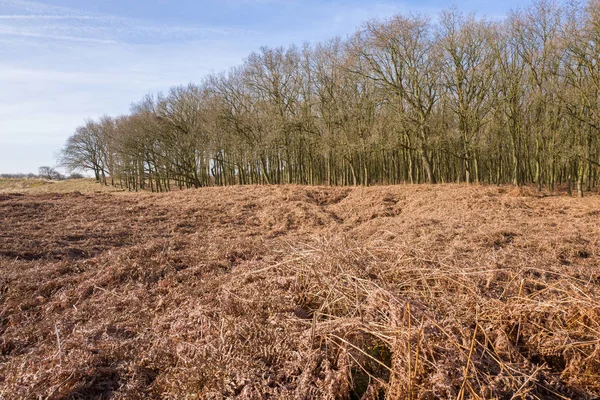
(415, 292)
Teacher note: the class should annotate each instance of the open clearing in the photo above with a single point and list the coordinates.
(31, 186)
(418, 292)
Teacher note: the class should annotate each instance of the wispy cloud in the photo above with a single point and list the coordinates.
(37, 20)
(21, 32)
(48, 17)
(33, 7)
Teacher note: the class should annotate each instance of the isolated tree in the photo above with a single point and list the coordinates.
(49, 173)
(88, 149)
(75, 175)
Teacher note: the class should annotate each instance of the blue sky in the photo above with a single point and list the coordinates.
(62, 61)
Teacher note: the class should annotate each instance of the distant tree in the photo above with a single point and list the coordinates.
(45, 172)
(13, 176)
(75, 175)
(90, 149)
(49, 173)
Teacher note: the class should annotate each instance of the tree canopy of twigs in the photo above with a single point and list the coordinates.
(405, 99)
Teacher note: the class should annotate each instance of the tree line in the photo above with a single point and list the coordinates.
(44, 172)
(462, 99)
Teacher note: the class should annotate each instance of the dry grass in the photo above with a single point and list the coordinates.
(413, 292)
(37, 186)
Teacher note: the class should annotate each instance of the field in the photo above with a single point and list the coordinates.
(411, 292)
(46, 186)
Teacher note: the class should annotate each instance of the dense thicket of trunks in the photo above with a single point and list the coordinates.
(403, 100)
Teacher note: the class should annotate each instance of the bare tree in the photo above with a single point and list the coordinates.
(468, 72)
(403, 100)
(403, 58)
(49, 173)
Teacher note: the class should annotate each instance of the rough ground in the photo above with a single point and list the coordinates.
(417, 292)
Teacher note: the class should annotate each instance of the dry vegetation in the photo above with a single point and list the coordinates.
(10, 185)
(416, 292)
